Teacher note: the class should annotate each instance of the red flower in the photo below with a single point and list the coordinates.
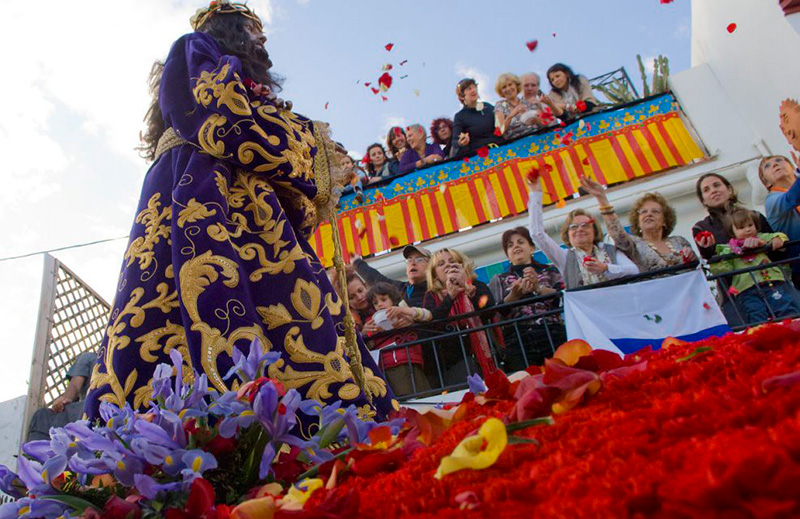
(702, 235)
(532, 45)
(483, 151)
(200, 504)
(731, 27)
(118, 508)
(219, 446)
(533, 175)
(581, 106)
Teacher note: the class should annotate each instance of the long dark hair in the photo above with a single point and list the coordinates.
(572, 79)
(732, 201)
(370, 166)
(229, 31)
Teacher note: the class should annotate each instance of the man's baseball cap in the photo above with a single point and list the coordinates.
(419, 250)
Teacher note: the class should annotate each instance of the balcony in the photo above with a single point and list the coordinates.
(618, 145)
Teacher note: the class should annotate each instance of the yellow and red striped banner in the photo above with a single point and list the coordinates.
(613, 147)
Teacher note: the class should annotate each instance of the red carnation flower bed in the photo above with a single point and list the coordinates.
(708, 429)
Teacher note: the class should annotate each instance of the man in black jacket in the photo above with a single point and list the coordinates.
(414, 289)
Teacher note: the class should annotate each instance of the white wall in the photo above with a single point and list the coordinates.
(756, 65)
(11, 412)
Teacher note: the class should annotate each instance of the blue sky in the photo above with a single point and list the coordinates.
(445, 40)
(77, 95)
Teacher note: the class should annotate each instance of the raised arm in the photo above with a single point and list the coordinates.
(622, 240)
(623, 267)
(542, 240)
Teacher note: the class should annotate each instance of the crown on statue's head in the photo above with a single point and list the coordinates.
(223, 7)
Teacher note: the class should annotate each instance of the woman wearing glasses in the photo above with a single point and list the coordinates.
(652, 219)
(587, 260)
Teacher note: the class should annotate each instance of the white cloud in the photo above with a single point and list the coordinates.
(389, 122)
(684, 30)
(649, 64)
(485, 85)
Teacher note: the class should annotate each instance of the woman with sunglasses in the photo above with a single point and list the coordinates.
(587, 260)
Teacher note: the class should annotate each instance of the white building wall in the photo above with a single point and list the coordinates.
(11, 413)
(756, 65)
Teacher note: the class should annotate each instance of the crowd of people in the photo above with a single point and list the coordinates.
(442, 285)
(523, 109)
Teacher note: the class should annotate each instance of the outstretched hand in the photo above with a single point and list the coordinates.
(593, 187)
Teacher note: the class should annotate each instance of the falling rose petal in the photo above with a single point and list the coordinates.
(497, 132)
(731, 27)
(326, 105)
(733, 292)
(361, 233)
(404, 76)
(706, 306)
(585, 161)
(560, 203)
(483, 151)
(386, 67)
(388, 47)
(367, 83)
(483, 301)
(667, 1)
(394, 241)
(588, 127)
(466, 160)
(384, 98)
(403, 62)
(385, 81)
(548, 168)
(416, 92)
(554, 35)
(532, 45)
(375, 90)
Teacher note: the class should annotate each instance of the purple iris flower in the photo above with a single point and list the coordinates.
(32, 508)
(277, 418)
(476, 384)
(196, 462)
(39, 477)
(91, 465)
(168, 432)
(150, 488)
(160, 384)
(169, 459)
(251, 366)
(90, 438)
(126, 467)
(38, 449)
(10, 483)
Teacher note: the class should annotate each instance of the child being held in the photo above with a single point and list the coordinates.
(398, 364)
(757, 289)
(354, 177)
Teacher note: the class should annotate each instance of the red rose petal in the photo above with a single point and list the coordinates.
(554, 35)
(581, 106)
(497, 132)
(388, 46)
(731, 27)
(384, 98)
(466, 159)
(483, 151)
(585, 161)
(367, 83)
(706, 306)
(394, 241)
(532, 45)
(326, 106)
(667, 1)
(375, 90)
(385, 81)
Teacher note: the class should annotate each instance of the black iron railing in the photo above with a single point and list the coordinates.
(519, 338)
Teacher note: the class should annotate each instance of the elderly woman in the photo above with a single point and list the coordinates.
(442, 134)
(652, 220)
(453, 290)
(527, 278)
(587, 260)
(509, 110)
(780, 177)
(378, 164)
(419, 153)
(396, 142)
(571, 93)
(473, 126)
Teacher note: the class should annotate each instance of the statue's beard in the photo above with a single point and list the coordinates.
(261, 57)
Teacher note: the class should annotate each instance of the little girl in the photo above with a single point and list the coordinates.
(398, 364)
(355, 177)
(757, 289)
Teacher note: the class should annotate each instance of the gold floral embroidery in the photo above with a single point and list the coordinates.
(212, 85)
(155, 221)
(274, 315)
(334, 370)
(193, 212)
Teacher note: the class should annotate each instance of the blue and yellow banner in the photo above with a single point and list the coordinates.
(614, 146)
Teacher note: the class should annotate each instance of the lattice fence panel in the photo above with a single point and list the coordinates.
(72, 320)
(79, 318)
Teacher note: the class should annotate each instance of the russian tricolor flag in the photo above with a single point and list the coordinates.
(626, 318)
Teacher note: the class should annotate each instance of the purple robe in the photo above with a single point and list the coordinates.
(219, 254)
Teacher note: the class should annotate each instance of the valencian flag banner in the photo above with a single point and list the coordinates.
(612, 147)
(641, 316)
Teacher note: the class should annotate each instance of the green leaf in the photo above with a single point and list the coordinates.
(658, 319)
(699, 351)
(546, 420)
(313, 471)
(514, 440)
(76, 503)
